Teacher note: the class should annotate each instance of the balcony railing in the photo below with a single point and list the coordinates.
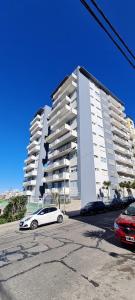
(124, 160)
(37, 118)
(35, 149)
(64, 139)
(29, 183)
(123, 142)
(122, 150)
(65, 128)
(33, 144)
(36, 136)
(69, 85)
(63, 102)
(30, 167)
(30, 159)
(62, 151)
(67, 114)
(57, 177)
(119, 132)
(60, 191)
(125, 170)
(56, 165)
(30, 174)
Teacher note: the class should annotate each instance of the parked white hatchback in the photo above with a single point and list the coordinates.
(41, 217)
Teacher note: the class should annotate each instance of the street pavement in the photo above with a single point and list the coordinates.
(79, 259)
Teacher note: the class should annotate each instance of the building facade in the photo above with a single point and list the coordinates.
(37, 156)
(90, 140)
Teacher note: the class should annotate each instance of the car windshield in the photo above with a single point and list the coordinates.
(36, 212)
(130, 211)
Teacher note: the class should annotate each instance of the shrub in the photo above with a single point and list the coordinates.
(3, 220)
(15, 209)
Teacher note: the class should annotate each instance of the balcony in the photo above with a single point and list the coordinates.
(57, 165)
(63, 151)
(63, 102)
(115, 103)
(36, 128)
(124, 170)
(30, 159)
(119, 125)
(65, 115)
(35, 149)
(116, 116)
(57, 177)
(58, 114)
(27, 193)
(29, 183)
(61, 191)
(53, 136)
(31, 145)
(36, 136)
(30, 167)
(30, 174)
(68, 86)
(125, 178)
(123, 160)
(121, 141)
(119, 132)
(37, 118)
(64, 139)
(122, 150)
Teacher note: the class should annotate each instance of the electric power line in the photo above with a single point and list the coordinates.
(112, 27)
(106, 31)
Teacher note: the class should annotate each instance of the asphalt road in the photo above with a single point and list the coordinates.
(78, 259)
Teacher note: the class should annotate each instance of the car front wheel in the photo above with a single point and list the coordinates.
(33, 225)
(60, 219)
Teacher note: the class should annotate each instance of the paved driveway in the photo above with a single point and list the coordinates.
(78, 259)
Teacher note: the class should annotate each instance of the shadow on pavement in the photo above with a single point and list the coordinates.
(104, 231)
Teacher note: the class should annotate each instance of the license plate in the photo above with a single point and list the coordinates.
(130, 239)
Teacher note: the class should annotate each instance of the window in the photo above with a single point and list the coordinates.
(51, 209)
(103, 159)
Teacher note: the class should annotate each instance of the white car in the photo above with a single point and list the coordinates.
(42, 216)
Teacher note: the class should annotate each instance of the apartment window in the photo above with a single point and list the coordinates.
(99, 117)
(103, 159)
(94, 133)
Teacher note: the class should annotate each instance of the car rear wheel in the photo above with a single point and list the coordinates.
(33, 225)
(60, 219)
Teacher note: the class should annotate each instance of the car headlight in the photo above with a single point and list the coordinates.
(116, 226)
(27, 219)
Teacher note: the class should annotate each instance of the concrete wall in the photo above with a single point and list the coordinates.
(86, 168)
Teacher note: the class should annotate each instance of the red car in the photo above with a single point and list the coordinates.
(124, 225)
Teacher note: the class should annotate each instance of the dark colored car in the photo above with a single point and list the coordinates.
(127, 201)
(124, 225)
(115, 204)
(92, 208)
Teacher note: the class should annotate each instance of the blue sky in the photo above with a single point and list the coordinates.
(41, 41)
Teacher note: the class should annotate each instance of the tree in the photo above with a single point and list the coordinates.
(122, 185)
(16, 208)
(107, 185)
(133, 185)
(128, 187)
(56, 198)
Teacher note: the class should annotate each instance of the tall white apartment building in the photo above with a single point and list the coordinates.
(89, 140)
(37, 156)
